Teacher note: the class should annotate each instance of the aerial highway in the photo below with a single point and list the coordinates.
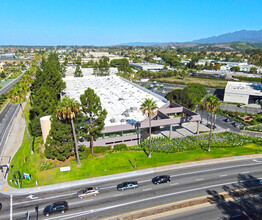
(10, 85)
(6, 118)
(185, 183)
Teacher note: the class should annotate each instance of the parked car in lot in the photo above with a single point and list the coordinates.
(237, 124)
(61, 206)
(87, 192)
(161, 179)
(229, 120)
(127, 185)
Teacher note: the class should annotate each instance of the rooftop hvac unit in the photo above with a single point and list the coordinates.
(112, 120)
(123, 120)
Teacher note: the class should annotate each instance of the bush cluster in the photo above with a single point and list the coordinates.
(120, 147)
(221, 140)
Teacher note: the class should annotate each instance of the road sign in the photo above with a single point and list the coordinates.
(62, 169)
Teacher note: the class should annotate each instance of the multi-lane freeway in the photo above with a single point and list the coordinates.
(185, 183)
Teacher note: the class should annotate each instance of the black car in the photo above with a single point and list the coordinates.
(0, 205)
(56, 207)
(161, 179)
(127, 185)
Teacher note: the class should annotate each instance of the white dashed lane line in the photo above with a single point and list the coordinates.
(147, 189)
(223, 175)
(199, 179)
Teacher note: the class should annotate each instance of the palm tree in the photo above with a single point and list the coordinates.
(18, 96)
(210, 105)
(67, 109)
(147, 108)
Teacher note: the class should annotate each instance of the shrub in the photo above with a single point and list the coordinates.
(221, 140)
(120, 147)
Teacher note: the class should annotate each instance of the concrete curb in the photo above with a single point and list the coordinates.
(5, 189)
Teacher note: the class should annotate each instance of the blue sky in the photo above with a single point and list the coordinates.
(109, 22)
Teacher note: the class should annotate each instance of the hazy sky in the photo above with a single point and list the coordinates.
(109, 22)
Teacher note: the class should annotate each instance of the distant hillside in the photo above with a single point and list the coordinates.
(238, 36)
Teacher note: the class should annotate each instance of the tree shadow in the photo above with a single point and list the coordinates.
(145, 152)
(242, 201)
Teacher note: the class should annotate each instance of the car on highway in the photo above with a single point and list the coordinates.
(240, 105)
(127, 185)
(87, 192)
(161, 179)
(55, 207)
(1, 206)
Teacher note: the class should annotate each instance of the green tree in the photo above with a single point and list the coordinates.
(67, 109)
(43, 105)
(211, 104)
(78, 72)
(235, 68)
(147, 108)
(103, 66)
(217, 66)
(253, 70)
(94, 116)
(59, 142)
(180, 97)
(18, 96)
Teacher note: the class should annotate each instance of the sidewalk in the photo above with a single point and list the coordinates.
(5, 189)
(14, 141)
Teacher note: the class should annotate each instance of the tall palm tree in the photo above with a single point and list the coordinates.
(18, 96)
(67, 109)
(210, 104)
(147, 108)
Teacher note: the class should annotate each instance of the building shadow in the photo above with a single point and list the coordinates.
(242, 201)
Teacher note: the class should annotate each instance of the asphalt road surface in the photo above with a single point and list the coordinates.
(185, 183)
(6, 118)
(11, 84)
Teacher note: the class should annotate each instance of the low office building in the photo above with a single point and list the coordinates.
(122, 99)
(239, 92)
(148, 66)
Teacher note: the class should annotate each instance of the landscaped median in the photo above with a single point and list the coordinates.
(123, 159)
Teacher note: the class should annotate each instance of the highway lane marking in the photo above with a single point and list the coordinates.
(182, 174)
(223, 175)
(245, 172)
(199, 179)
(11, 207)
(117, 195)
(52, 197)
(142, 200)
(147, 189)
(174, 184)
(215, 169)
(12, 118)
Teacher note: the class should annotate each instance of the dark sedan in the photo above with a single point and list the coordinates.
(55, 207)
(127, 185)
(161, 179)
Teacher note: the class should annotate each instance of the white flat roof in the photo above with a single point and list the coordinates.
(121, 99)
(244, 88)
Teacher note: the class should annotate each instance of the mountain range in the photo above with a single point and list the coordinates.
(251, 36)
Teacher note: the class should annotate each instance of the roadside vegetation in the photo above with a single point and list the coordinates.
(106, 161)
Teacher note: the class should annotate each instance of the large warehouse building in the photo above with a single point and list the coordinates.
(239, 92)
(122, 100)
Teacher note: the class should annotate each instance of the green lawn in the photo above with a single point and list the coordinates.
(110, 163)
